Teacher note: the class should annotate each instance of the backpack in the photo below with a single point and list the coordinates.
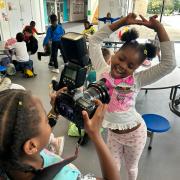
(5, 61)
(11, 70)
(73, 130)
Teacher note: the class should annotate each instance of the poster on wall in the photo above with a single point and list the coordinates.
(2, 4)
(78, 7)
(11, 6)
(3, 12)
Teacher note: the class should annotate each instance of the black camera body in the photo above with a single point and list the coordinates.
(72, 110)
(70, 104)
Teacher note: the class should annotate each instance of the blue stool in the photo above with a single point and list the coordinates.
(155, 123)
(3, 70)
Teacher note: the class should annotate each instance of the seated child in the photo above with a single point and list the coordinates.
(22, 62)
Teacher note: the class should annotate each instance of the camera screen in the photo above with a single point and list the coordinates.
(70, 73)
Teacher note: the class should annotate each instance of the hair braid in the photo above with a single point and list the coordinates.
(18, 119)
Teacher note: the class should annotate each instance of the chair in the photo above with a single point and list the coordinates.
(155, 124)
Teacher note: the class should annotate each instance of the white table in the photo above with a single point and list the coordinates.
(169, 81)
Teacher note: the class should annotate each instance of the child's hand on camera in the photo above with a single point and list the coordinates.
(92, 126)
(54, 94)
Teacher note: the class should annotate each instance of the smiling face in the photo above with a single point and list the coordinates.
(124, 62)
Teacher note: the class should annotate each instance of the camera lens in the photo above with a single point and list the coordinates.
(99, 91)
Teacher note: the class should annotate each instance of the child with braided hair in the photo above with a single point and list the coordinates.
(127, 131)
(25, 132)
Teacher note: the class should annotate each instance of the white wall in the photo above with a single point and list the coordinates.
(74, 16)
(22, 13)
(38, 14)
(4, 28)
(4, 25)
(19, 16)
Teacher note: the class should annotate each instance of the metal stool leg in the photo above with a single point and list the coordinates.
(146, 91)
(150, 134)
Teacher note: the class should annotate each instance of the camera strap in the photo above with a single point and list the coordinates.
(80, 140)
(50, 172)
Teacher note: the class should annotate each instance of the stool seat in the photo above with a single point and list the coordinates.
(3, 68)
(156, 123)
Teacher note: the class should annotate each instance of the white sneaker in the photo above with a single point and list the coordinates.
(55, 71)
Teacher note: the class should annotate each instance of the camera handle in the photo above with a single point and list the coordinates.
(82, 140)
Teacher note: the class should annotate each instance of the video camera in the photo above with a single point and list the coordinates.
(71, 103)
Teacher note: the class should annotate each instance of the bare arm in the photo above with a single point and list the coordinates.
(92, 127)
(152, 24)
(38, 32)
(95, 52)
(130, 19)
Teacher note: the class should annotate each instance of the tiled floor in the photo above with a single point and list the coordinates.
(162, 163)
